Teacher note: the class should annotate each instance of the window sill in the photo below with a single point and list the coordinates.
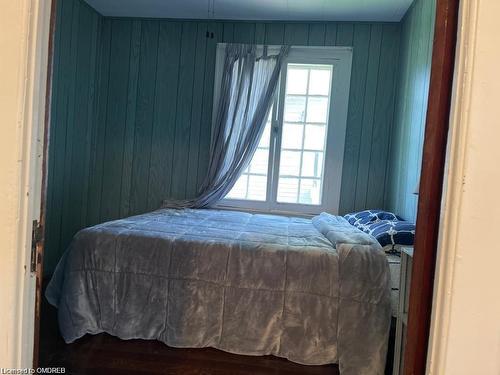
(253, 207)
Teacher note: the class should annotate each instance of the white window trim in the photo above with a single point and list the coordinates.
(341, 59)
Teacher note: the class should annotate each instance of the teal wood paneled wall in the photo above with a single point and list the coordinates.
(73, 110)
(155, 122)
(411, 108)
(149, 135)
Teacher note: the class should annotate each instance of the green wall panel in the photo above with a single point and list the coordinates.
(132, 108)
(171, 161)
(74, 104)
(410, 110)
(179, 74)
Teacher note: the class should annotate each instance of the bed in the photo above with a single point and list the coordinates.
(314, 291)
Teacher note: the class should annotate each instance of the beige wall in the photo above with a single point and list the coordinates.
(12, 42)
(23, 56)
(466, 331)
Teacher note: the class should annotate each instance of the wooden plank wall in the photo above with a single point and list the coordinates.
(170, 84)
(151, 131)
(74, 105)
(411, 106)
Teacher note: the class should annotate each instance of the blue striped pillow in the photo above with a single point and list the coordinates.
(386, 227)
(370, 216)
(390, 232)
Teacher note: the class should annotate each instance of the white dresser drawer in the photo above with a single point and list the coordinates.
(394, 269)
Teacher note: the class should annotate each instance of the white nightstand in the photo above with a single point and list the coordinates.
(394, 260)
(402, 313)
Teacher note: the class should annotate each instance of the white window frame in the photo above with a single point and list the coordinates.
(341, 60)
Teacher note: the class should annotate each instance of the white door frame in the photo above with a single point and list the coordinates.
(465, 329)
(24, 37)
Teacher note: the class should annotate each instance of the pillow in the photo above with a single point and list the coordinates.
(354, 217)
(337, 230)
(370, 216)
(391, 232)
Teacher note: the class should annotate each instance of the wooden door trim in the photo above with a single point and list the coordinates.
(43, 201)
(431, 186)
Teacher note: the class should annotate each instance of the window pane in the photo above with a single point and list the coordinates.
(239, 190)
(315, 137)
(303, 141)
(259, 162)
(319, 82)
(290, 163)
(302, 168)
(257, 188)
(317, 109)
(312, 164)
(288, 189)
(310, 191)
(292, 136)
(295, 108)
(296, 81)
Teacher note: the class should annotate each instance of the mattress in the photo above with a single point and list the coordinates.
(314, 291)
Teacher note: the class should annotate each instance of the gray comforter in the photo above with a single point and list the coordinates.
(313, 291)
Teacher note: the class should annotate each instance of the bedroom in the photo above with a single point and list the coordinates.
(132, 128)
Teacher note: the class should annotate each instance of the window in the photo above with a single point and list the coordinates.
(297, 166)
(303, 141)
(252, 184)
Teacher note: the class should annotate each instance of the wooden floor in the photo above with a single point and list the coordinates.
(105, 354)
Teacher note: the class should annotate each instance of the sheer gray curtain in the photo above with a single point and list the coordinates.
(248, 84)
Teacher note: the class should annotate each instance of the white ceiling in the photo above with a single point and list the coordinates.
(285, 10)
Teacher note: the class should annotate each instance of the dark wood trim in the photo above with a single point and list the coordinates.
(431, 186)
(45, 156)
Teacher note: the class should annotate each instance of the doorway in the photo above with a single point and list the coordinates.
(430, 188)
